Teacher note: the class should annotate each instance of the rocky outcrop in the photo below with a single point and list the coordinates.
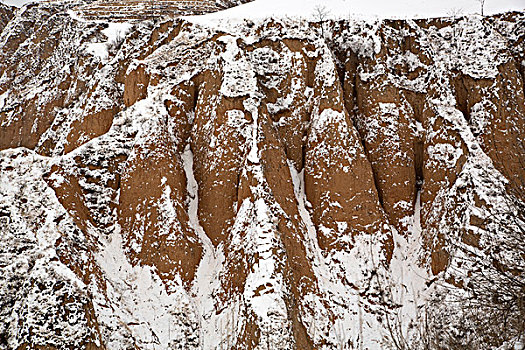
(256, 187)
(6, 14)
(140, 10)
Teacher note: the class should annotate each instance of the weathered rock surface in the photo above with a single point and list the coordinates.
(137, 10)
(171, 186)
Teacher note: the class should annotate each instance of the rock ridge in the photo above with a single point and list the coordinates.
(266, 185)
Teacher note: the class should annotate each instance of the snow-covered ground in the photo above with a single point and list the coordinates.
(362, 8)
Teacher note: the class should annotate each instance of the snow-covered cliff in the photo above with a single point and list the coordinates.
(272, 184)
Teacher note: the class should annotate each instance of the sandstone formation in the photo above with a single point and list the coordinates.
(165, 185)
(137, 10)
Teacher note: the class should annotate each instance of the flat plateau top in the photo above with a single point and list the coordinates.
(128, 10)
(366, 8)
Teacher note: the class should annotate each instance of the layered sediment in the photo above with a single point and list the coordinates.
(183, 187)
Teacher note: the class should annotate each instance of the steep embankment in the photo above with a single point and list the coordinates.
(167, 185)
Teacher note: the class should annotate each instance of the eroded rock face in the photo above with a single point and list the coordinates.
(251, 188)
(140, 10)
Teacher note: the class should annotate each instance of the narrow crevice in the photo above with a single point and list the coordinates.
(461, 94)
(377, 185)
(419, 164)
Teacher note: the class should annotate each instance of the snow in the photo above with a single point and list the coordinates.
(239, 77)
(409, 279)
(139, 300)
(74, 15)
(260, 9)
(113, 33)
(2, 99)
(98, 50)
(251, 106)
(206, 280)
(345, 301)
(255, 234)
(444, 154)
